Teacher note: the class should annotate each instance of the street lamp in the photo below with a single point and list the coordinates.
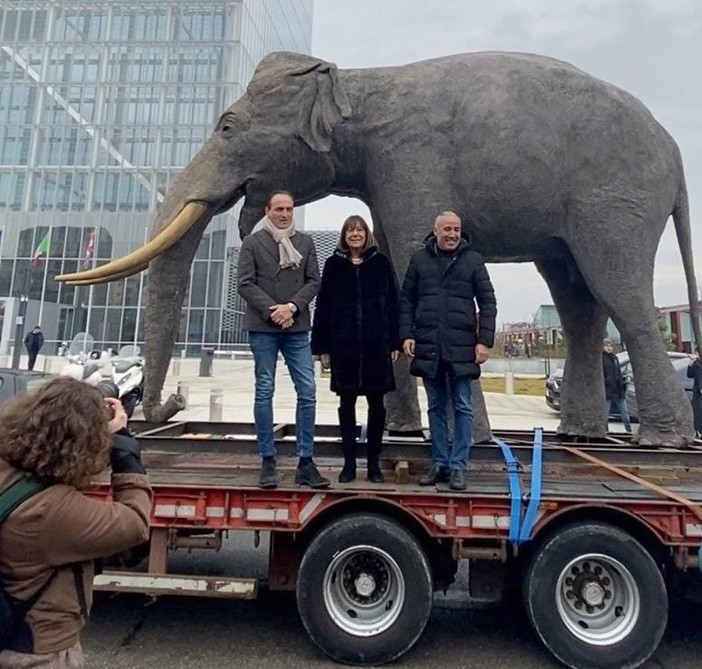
(19, 330)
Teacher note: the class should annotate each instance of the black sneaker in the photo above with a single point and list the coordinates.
(268, 477)
(457, 480)
(307, 474)
(437, 474)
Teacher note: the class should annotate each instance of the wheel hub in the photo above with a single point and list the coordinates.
(593, 593)
(365, 585)
(364, 590)
(598, 599)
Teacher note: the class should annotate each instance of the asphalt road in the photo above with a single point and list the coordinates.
(128, 631)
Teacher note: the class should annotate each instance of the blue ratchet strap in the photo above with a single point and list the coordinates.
(536, 477)
(515, 490)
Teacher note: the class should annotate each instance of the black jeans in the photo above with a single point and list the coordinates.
(32, 359)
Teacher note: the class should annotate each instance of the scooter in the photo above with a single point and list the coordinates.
(79, 364)
(128, 377)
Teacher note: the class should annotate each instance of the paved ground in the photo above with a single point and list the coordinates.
(236, 377)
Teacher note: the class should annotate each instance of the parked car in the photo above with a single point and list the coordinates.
(17, 381)
(680, 365)
(554, 382)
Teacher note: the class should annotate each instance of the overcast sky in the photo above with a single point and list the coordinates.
(651, 48)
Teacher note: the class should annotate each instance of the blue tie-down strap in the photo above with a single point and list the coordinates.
(515, 490)
(535, 493)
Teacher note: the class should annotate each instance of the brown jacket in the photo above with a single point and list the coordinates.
(57, 528)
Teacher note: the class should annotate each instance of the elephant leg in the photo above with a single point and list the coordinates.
(619, 272)
(583, 322)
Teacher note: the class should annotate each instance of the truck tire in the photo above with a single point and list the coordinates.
(596, 597)
(364, 590)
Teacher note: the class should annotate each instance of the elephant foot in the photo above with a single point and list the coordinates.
(156, 413)
(650, 437)
(407, 427)
(572, 430)
(482, 434)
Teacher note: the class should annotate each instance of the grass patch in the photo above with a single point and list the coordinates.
(527, 386)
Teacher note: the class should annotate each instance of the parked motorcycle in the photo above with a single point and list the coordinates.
(128, 377)
(80, 364)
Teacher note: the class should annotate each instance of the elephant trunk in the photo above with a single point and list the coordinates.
(169, 275)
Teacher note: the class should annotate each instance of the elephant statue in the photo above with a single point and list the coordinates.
(543, 162)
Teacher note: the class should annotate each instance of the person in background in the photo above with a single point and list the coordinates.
(64, 434)
(694, 371)
(355, 333)
(33, 343)
(615, 384)
(278, 277)
(447, 338)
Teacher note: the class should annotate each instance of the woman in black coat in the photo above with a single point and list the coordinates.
(355, 332)
(694, 371)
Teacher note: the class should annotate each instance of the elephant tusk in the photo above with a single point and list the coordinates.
(112, 277)
(134, 262)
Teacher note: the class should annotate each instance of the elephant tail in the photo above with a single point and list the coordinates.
(681, 218)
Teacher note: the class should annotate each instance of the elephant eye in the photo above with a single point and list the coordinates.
(226, 127)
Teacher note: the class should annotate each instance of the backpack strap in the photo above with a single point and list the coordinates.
(20, 491)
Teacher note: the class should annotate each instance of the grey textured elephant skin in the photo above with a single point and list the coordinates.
(543, 163)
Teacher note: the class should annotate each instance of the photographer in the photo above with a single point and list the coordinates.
(64, 434)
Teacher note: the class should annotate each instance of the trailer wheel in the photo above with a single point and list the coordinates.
(364, 590)
(596, 598)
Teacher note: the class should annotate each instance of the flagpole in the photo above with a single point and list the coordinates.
(92, 288)
(141, 288)
(43, 282)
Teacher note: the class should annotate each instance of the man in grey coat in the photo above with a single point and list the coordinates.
(278, 277)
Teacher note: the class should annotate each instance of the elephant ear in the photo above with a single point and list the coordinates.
(325, 104)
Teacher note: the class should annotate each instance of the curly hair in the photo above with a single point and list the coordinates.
(58, 433)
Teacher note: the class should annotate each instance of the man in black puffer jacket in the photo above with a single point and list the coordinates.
(446, 339)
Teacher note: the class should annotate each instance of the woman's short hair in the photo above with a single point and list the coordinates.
(349, 224)
(57, 433)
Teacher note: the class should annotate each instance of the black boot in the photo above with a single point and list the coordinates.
(268, 477)
(376, 427)
(347, 427)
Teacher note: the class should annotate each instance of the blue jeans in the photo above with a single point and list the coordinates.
(295, 347)
(438, 389)
(619, 403)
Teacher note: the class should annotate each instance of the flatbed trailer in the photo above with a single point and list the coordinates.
(597, 536)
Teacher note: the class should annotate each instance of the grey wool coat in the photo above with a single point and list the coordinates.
(262, 283)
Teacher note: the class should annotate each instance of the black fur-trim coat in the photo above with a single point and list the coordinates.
(356, 322)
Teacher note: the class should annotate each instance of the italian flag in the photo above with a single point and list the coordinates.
(42, 249)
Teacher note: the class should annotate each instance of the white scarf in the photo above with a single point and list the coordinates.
(289, 255)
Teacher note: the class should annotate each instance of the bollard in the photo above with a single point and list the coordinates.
(206, 357)
(176, 366)
(509, 383)
(47, 363)
(182, 389)
(216, 402)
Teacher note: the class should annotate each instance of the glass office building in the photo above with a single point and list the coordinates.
(102, 103)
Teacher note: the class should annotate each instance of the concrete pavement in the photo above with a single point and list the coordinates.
(235, 378)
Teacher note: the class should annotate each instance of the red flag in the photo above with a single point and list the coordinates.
(89, 249)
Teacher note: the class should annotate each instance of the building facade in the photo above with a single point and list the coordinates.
(102, 103)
